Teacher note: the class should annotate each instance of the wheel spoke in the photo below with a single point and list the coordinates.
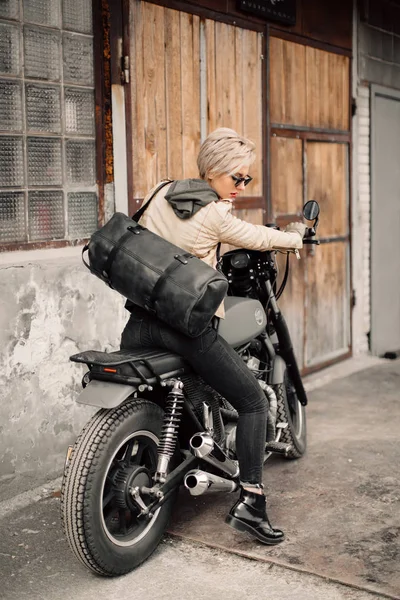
(107, 498)
(122, 520)
(108, 517)
(139, 453)
(126, 459)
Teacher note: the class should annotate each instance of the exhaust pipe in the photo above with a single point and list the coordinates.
(203, 446)
(200, 482)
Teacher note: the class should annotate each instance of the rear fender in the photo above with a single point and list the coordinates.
(105, 394)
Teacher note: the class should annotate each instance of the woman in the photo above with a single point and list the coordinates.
(195, 214)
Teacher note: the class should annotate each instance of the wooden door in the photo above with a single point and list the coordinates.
(309, 159)
(189, 76)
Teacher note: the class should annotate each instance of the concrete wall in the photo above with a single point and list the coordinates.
(50, 307)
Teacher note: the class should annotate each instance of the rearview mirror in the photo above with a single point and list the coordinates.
(311, 210)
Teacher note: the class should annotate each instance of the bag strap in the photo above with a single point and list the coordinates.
(84, 249)
(144, 206)
(180, 259)
(218, 252)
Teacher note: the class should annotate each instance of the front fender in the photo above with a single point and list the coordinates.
(105, 394)
(278, 372)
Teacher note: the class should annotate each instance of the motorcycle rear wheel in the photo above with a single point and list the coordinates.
(117, 450)
(290, 411)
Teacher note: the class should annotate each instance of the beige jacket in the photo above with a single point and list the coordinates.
(212, 224)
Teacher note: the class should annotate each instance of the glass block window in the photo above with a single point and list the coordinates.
(12, 217)
(9, 9)
(10, 49)
(82, 210)
(10, 105)
(43, 108)
(44, 161)
(79, 111)
(47, 121)
(46, 215)
(42, 12)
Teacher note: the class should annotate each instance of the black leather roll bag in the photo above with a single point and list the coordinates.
(178, 288)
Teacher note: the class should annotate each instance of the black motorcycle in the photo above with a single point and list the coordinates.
(160, 425)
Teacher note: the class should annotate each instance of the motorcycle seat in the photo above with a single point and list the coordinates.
(134, 366)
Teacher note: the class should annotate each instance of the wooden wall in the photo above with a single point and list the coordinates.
(173, 91)
(329, 22)
(194, 72)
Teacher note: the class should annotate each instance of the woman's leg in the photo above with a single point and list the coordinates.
(224, 370)
(220, 366)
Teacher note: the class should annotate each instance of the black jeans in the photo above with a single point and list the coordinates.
(219, 365)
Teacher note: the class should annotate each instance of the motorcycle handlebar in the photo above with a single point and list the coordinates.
(309, 232)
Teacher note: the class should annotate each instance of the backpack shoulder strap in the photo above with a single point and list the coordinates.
(150, 197)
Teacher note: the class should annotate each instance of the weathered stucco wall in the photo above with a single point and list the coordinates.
(50, 308)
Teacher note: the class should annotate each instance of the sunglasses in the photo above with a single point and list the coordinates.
(238, 180)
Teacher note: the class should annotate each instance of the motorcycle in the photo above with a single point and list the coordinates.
(160, 425)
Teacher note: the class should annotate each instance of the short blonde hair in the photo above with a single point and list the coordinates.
(224, 151)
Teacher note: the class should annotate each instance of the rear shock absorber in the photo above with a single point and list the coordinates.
(169, 434)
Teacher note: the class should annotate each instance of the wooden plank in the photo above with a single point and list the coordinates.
(190, 75)
(310, 134)
(240, 76)
(154, 94)
(234, 92)
(252, 104)
(193, 170)
(286, 175)
(173, 94)
(224, 74)
(327, 304)
(327, 89)
(327, 182)
(287, 81)
(312, 87)
(211, 82)
(137, 106)
(287, 199)
(292, 301)
(345, 73)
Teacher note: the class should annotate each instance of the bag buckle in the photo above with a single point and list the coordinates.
(136, 229)
(181, 259)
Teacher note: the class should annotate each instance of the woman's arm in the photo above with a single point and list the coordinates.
(241, 234)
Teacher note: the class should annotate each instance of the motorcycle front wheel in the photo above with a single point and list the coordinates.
(290, 411)
(116, 451)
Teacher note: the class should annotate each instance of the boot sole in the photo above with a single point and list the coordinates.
(244, 528)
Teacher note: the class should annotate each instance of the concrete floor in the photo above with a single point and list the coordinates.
(36, 564)
(339, 507)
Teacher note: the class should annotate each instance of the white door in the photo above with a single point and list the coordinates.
(385, 220)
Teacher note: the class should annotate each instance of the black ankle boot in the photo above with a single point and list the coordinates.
(249, 514)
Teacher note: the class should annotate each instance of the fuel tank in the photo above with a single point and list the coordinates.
(244, 319)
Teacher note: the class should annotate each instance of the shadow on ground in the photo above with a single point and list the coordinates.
(339, 505)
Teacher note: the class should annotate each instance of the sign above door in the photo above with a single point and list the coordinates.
(283, 11)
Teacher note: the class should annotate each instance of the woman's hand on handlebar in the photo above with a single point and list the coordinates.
(297, 227)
